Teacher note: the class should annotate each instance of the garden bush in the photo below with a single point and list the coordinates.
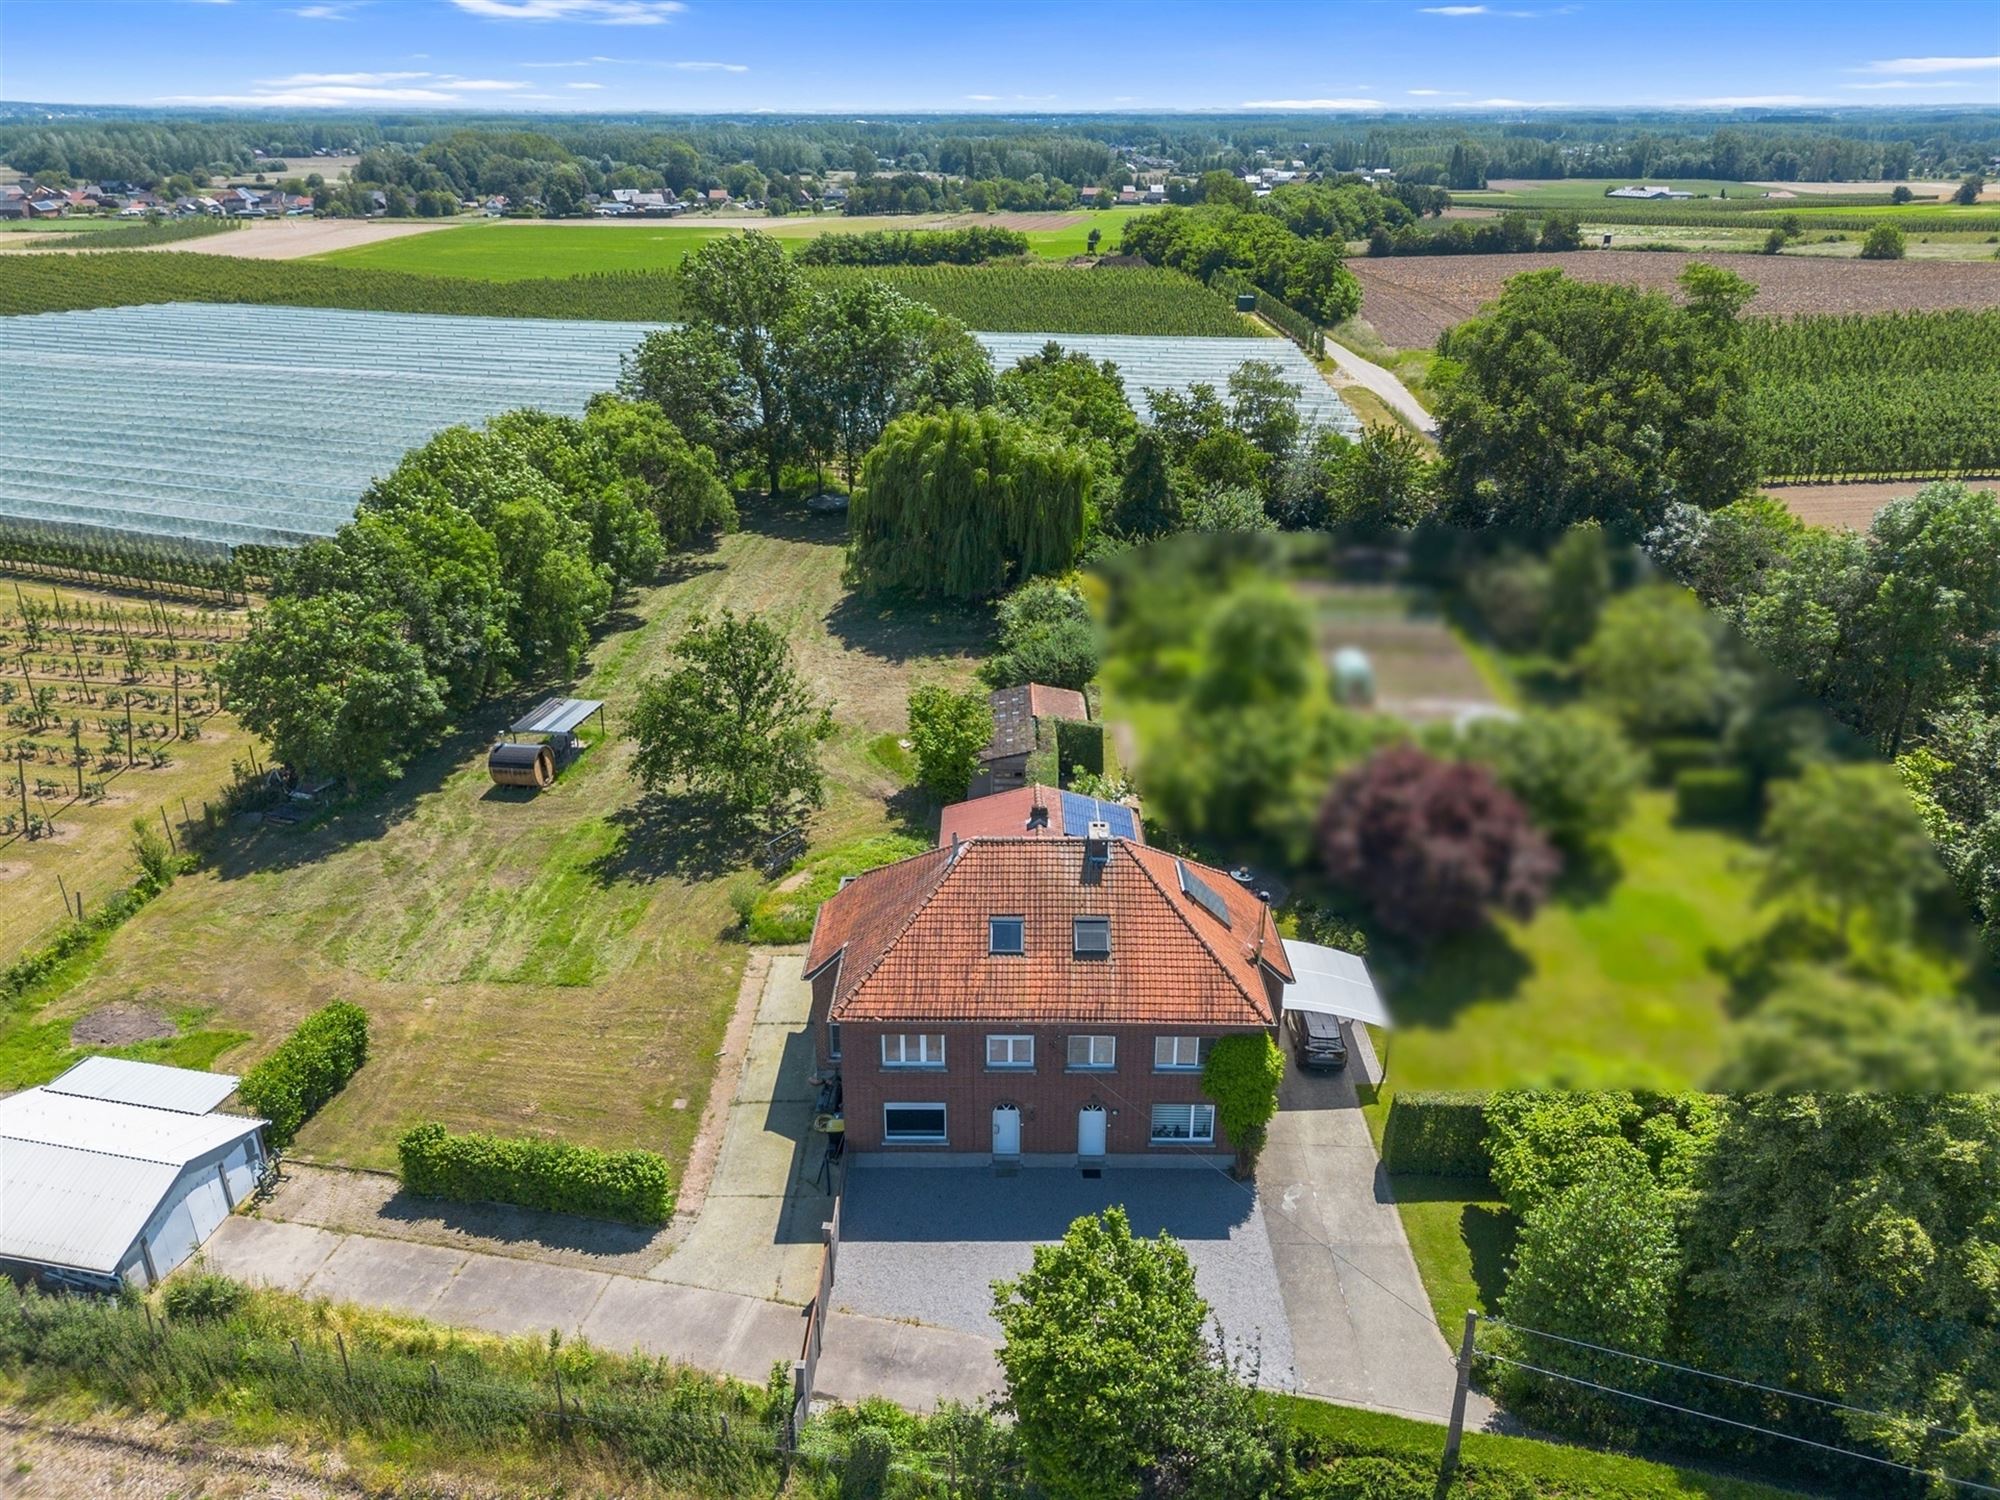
(310, 1067)
(635, 1187)
(1437, 1133)
(1242, 1077)
(1719, 795)
(1079, 744)
(203, 1296)
(1680, 753)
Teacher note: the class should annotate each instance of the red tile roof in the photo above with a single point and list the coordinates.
(911, 940)
(1009, 815)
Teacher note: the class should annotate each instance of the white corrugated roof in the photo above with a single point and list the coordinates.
(125, 1082)
(1332, 982)
(79, 1177)
(66, 1207)
(130, 1131)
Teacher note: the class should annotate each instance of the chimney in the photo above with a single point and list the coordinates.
(1096, 848)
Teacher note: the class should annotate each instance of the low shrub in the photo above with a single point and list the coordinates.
(635, 1187)
(1242, 1077)
(310, 1066)
(203, 1296)
(1437, 1133)
(1714, 795)
(1679, 753)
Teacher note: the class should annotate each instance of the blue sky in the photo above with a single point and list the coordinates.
(1012, 56)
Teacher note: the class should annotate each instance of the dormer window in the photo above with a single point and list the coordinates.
(1007, 935)
(1090, 937)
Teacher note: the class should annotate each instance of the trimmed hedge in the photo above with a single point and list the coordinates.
(310, 1067)
(1437, 1133)
(635, 1187)
(1079, 742)
(1714, 795)
(1683, 753)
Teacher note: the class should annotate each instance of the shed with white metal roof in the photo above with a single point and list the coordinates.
(119, 1171)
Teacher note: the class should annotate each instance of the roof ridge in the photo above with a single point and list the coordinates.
(1258, 1002)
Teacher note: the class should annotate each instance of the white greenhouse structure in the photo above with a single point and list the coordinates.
(118, 1171)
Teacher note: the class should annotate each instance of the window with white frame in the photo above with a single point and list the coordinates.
(1007, 935)
(913, 1124)
(1183, 1124)
(1093, 1052)
(1173, 1054)
(833, 1041)
(1010, 1051)
(912, 1049)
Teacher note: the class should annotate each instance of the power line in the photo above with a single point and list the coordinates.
(1748, 1385)
(1770, 1432)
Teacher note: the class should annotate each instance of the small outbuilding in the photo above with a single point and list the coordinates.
(541, 743)
(118, 1171)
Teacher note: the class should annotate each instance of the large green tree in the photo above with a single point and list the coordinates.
(333, 686)
(1573, 401)
(947, 732)
(961, 505)
(744, 288)
(1079, 401)
(1652, 662)
(1845, 839)
(1113, 1385)
(735, 721)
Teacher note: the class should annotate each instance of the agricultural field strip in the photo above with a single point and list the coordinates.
(173, 398)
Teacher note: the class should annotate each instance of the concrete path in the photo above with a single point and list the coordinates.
(724, 1332)
(1364, 372)
(1362, 1329)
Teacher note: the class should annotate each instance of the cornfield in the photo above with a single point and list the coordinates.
(1892, 396)
(1002, 298)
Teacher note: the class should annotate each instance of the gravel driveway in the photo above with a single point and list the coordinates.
(928, 1243)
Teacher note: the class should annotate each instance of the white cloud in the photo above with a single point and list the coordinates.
(1311, 104)
(1757, 101)
(332, 90)
(1513, 104)
(716, 67)
(335, 10)
(983, 98)
(1930, 65)
(577, 62)
(1456, 10)
(583, 85)
(1435, 93)
(587, 12)
(1913, 83)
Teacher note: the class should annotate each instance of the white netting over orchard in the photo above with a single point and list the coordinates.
(235, 424)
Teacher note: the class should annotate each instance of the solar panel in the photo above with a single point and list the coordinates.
(1197, 889)
(1079, 812)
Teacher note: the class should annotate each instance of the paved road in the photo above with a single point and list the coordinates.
(1362, 1329)
(1367, 373)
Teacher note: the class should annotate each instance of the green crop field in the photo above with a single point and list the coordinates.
(513, 251)
(1005, 298)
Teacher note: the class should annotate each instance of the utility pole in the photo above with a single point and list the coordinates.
(1448, 1468)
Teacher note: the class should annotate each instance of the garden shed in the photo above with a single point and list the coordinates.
(118, 1171)
(543, 741)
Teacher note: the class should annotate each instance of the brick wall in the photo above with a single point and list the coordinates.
(1049, 1096)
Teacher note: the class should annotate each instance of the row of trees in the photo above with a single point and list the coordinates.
(1832, 1244)
(1307, 273)
(483, 558)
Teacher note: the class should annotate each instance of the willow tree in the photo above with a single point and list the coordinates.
(964, 505)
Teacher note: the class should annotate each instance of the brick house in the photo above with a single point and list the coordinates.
(1048, 1000)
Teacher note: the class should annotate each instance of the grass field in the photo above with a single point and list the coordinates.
(513, 251)
(562, 963)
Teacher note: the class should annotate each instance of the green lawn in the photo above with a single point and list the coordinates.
(510, 251)
(562, 963)
(1461, 1235)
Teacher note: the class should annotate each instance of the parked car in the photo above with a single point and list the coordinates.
(1317, 1040)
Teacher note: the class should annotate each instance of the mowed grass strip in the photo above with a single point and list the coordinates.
(562, 963)
(508, 250)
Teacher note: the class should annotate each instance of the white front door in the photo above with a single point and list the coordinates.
(1090, 1130)
(1006, 1130)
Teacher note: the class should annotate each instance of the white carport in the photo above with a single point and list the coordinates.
(1333, 983)
(119, 1170)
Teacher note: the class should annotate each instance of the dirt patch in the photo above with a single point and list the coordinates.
(9, 870)
(292, 239)
(1411, 299)
(142, 1458)
(1851, 505)
(120, 1025)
